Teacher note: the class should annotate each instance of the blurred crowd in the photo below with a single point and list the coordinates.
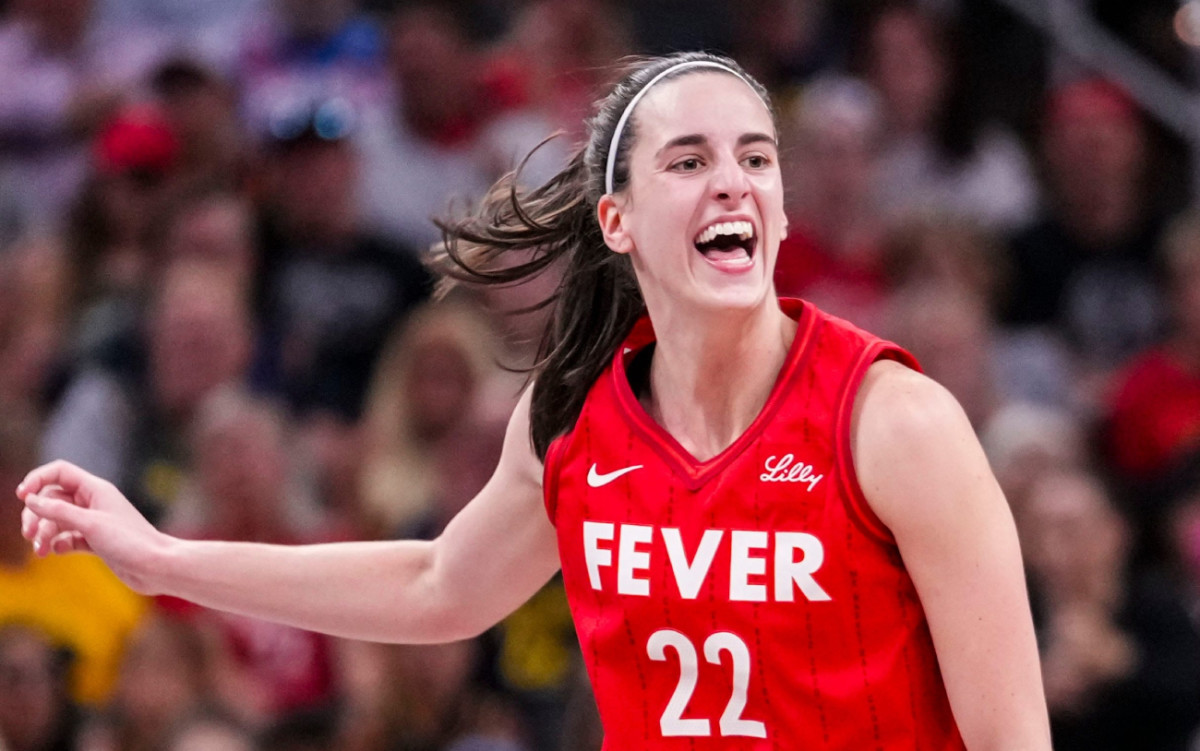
(213, 222)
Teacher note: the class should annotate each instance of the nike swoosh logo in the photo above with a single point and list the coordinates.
(597, 480)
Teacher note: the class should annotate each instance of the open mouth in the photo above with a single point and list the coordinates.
(730, 242)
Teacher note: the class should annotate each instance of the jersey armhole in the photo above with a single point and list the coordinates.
(550, 471)
(856, 501)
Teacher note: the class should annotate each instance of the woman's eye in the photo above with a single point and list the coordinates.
(687, 165)
(756, 161)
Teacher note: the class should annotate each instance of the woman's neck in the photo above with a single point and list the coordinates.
(711, 375)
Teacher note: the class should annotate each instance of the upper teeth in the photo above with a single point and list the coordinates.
(742, 229)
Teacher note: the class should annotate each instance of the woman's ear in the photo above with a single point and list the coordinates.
(609, 212)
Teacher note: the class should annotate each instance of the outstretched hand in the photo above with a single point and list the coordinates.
(68, 509)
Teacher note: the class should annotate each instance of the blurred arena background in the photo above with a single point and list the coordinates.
(212, 220)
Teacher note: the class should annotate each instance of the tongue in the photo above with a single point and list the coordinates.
(734, 256)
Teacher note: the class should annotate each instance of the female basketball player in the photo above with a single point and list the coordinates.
(773, 531)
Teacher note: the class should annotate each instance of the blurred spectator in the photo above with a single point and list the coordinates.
(536, 655)
(36, 713)
(330, 291)
(1033, 365)
(133, 161)
(424, 697)
(432, 428)
(170, 671)
(564, 52)
(937, 153)
(210, 224)
(1154, 415)
(941, 314)
(75, 601)
(949, 332)
(452, 127)
(247, 488)
(128, 417)
(63, 77)
(200, 107)
(33, 319)
(1120, 657)
(833, 252)
(306, 50)
(244, 483)
(1025, 442)
(1087, 265)
(945, 251)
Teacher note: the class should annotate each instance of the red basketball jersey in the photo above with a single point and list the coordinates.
(751, 601)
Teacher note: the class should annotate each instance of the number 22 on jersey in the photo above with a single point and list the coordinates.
(731, 723)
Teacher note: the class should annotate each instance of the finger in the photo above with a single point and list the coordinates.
(73, 480)
(46, 531)
(63, 513)
(29, 522)
(69, 542)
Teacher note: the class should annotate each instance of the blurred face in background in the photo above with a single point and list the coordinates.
(1093, 143)
(949, 332)
(200, 335)
(435, 66)
(312, 189)
(837, 127)
(216, 230)
(161, 676)
(241, 465)
(30, 690)
(1078, 542)
(201, 109)
(441, 386)
(909, 68)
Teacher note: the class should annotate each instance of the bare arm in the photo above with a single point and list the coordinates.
(492, 557)
(927, 479)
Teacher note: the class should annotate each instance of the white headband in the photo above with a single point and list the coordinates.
(616, 139)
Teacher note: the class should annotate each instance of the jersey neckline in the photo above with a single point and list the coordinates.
(691, 470)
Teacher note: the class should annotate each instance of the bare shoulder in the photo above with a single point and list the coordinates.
(913, 447)
(894, 398)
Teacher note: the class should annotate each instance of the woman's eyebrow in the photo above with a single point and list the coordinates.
(749, 138)
(699, 139)
(691, 139)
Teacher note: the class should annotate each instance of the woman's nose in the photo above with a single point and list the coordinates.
(729, 181)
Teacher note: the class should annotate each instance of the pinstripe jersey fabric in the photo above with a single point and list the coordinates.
(751, 601)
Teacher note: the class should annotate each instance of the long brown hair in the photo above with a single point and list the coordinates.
(598, 299)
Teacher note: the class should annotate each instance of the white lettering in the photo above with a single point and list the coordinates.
(689, 576)
(596, 556)
(784, 470)
(630, 559)
(788, 570)
(796, 557)
(742, 566)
